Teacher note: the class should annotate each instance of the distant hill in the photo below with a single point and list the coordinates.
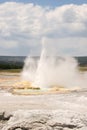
(11, 62)
(17, 62)
(82, 60)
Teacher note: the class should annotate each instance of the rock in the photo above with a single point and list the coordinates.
(18, 129)
(5, 116)
(37, 120)
(1, 115)
(58, 128)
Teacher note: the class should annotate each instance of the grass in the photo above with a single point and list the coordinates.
(11, 70)
(81, 68)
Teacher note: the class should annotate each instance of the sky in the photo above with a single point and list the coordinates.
(51, 3)
(26, 24)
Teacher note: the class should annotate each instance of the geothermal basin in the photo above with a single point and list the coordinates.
(48, 111)
(50, 74)
(47, 75)
(46, 107)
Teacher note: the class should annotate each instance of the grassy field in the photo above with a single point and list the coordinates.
(83, 68)
(11, 70)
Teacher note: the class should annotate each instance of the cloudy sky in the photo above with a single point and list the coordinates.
(25, 24)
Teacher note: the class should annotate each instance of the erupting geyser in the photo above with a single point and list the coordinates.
(51, 70)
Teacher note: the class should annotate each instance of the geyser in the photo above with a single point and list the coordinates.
(53, 71)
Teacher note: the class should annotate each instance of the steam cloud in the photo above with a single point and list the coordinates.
(52, 70)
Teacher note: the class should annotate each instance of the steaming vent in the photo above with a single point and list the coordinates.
(52, 71)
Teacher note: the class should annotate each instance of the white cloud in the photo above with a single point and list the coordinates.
(8, 44)
(68, 45)
(22, 24)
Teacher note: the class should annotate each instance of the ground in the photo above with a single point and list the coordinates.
(61, 111)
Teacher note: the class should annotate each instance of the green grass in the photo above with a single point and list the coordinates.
(11, 70)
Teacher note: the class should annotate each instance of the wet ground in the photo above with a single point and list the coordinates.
(7, 80)
(67, 100)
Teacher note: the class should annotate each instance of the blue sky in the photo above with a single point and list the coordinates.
(24, 27)
(52, 3)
